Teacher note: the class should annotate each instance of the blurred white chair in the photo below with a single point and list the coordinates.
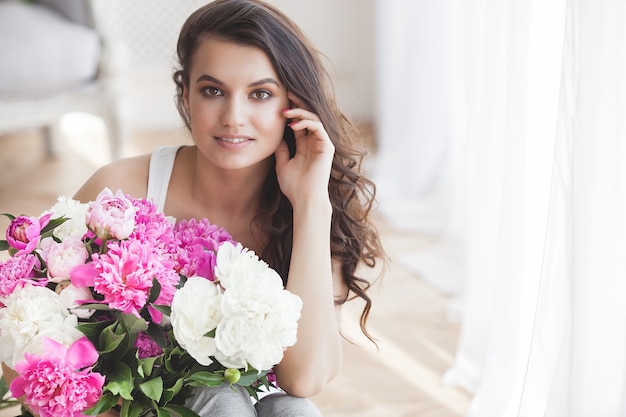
(148, 31)
(54, 61)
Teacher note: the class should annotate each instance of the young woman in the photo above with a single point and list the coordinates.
(274, 163)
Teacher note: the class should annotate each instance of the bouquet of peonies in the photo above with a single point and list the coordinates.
(111, 303)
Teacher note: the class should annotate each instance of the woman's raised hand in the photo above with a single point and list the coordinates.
(306, 175)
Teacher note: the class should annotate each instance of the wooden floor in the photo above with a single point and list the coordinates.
(416, 342)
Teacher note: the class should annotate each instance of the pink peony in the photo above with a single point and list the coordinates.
(24, 232)
(195, 260)
(111, 216)
(59, 383)
(15, 271)
(199, 241)
(146, 346)
(156, 232)
(153, 227)
(162, 269)
(123, 278)
(84, 275)
(168, 279)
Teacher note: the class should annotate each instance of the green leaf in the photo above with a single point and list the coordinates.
(4, 245)
(152, 388)
(207, 378)
(133, 323)
(162, 412)
(177, 351)
(121, 381)
(172, 358)
(131, 409)
(106, 402)
(154, 291)
(181, 282)
(157, 334)
(211, 333)
(53, 224)
(109, 341)
(6, 398)
(10, 216)
(126, 329)
(4, 387)
(171, 392)
(146, 365)
(167, 310)
(250, 376)
(93, 330)
(96, 306)
(180, 411)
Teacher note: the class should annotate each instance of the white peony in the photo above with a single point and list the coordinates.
(232, 261)
(196, 312)
(71, 296)
(29, 312)
(73, 210)
(260, 320)
(65, 333)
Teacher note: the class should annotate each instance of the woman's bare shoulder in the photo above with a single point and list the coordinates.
(128, 174)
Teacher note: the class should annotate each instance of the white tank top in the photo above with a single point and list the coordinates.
(161, 164)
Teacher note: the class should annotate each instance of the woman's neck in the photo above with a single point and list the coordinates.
(227, 198)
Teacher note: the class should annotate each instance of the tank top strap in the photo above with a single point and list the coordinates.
(161, 165)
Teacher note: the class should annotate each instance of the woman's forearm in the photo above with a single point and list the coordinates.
(315, 358)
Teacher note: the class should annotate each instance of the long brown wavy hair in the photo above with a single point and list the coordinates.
(299, 67)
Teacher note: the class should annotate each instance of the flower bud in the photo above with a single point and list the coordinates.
(232, 375)
(111, 216)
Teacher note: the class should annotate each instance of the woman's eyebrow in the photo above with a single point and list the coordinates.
(206, 77)
(264, 81)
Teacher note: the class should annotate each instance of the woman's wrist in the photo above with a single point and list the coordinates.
(312, 203)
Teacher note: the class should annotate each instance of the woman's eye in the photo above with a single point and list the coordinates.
(261, 94)
(212, 91)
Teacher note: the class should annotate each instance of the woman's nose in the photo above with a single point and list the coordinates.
(234, 112)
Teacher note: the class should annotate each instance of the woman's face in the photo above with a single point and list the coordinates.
(235, 102)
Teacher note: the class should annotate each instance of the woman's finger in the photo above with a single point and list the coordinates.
(314, 126)
(298, 113)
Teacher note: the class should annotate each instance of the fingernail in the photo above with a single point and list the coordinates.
(286, 110)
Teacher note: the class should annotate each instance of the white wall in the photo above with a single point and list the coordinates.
(341, 29)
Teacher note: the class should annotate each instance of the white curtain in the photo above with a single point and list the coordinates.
(421, 129)
(540, 167)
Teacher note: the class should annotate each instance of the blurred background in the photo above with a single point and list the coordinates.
(496, 139)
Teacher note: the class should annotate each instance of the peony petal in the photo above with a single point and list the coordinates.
(44, 220)
(17, 387)
(53, 349)
(81, 354)
(84, 275)
(155, 315)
